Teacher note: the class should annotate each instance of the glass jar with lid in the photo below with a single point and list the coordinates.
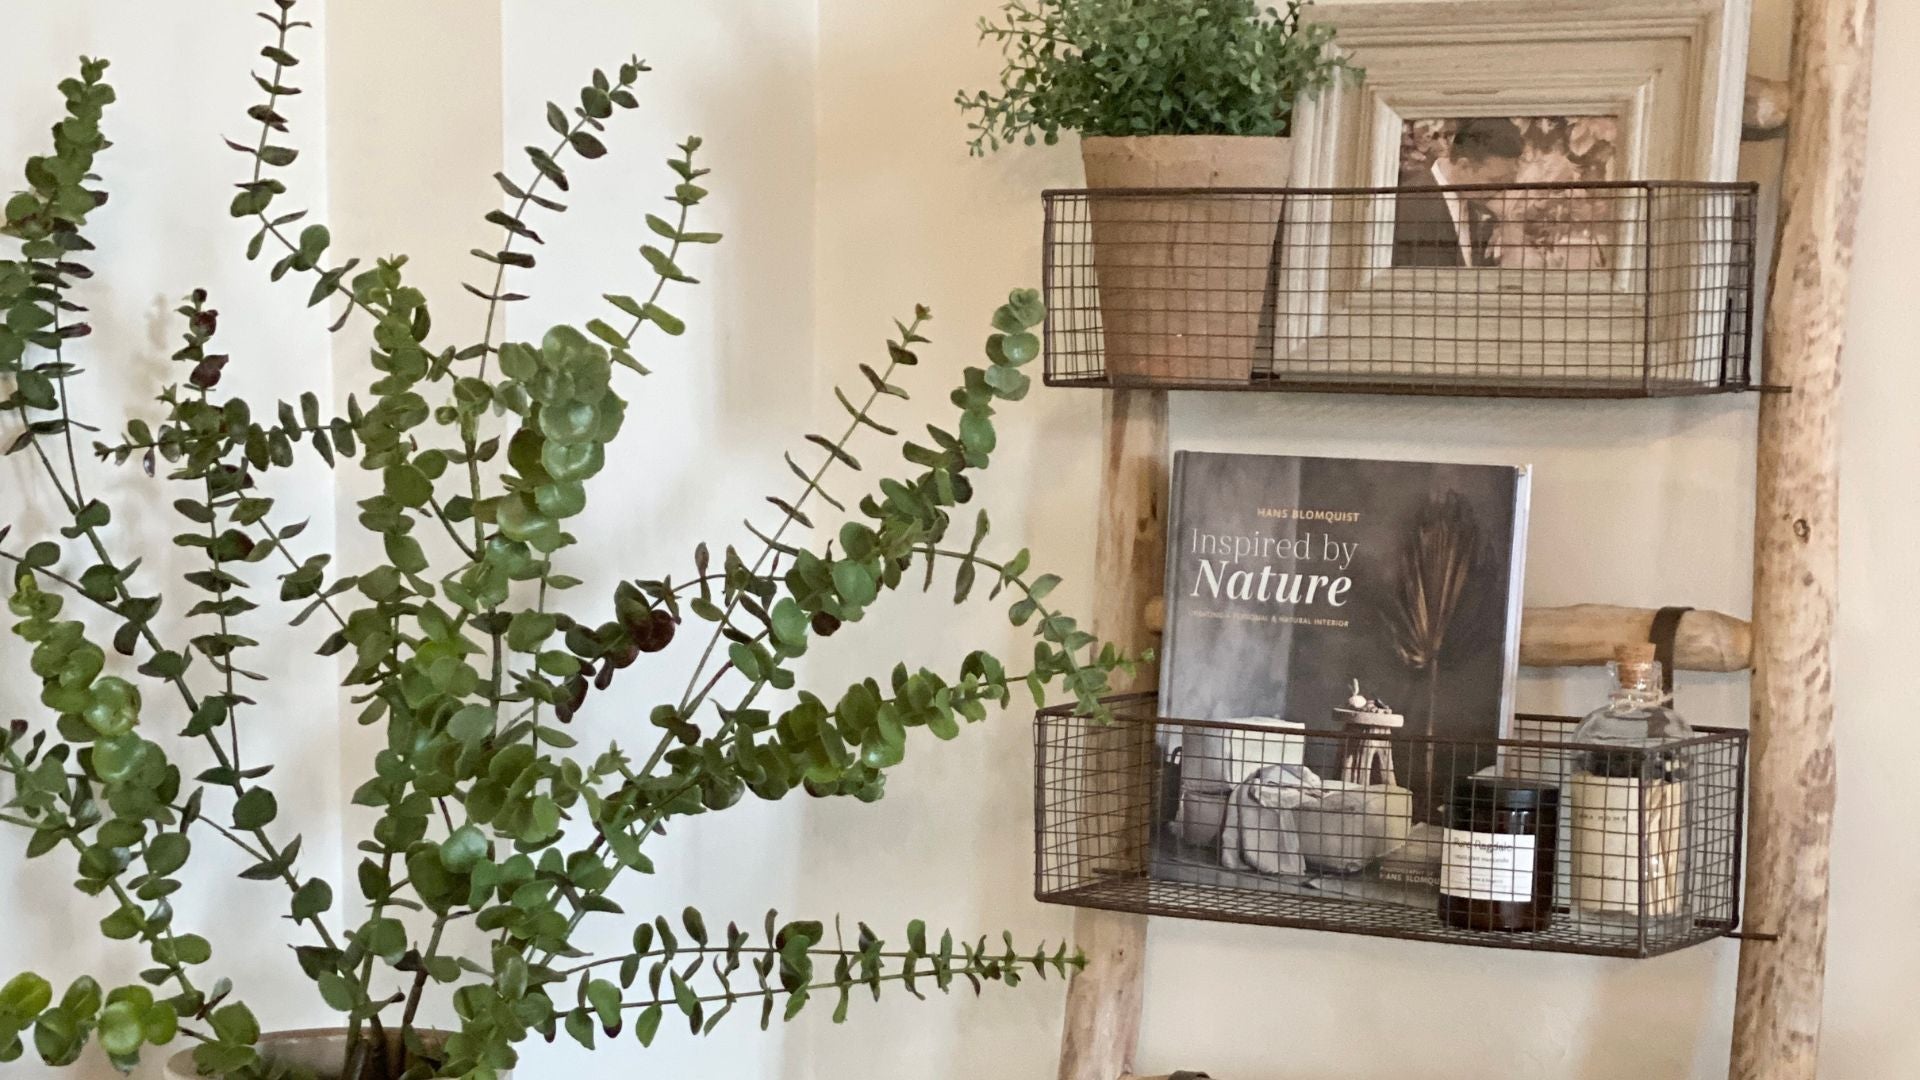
(1627, 800)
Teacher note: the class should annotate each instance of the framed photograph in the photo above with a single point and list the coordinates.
(1520, 234)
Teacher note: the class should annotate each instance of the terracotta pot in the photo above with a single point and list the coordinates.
(1184, 281)
(317, 1050)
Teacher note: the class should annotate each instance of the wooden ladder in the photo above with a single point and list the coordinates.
(1776, 1029)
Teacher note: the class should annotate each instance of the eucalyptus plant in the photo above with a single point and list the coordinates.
(1146, 67)
(464, 646)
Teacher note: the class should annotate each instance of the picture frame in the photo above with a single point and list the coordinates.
(1515, 190)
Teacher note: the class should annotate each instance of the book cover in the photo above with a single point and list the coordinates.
(1332, 610)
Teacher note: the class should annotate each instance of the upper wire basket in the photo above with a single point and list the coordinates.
(1614, 289)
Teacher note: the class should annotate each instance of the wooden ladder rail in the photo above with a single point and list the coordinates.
(1776, 1020)
(1777, 1009)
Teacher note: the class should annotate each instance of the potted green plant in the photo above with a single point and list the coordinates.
(1166, 94)
(462, 647)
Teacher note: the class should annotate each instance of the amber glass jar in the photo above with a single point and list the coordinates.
(1502, 841)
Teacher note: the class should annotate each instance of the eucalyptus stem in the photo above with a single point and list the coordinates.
(13, 763)
(187, 695)
(768, 549)
(440, 515)
(977, 967)
(60, 387)
(280, 545)
(225, 663)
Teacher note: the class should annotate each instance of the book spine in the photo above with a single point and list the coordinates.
(1516, 599)
(1169, 588)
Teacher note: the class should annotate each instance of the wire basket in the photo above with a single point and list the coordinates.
(1625, 855)
(1617, 289)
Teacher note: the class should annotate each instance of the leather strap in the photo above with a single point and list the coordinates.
(1666, 627)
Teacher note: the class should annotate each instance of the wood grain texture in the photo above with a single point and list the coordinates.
(1584, 635)
(1776, 1028)
(1764, 114)
(1103, 1000)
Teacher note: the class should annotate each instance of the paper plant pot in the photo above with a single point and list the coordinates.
(1203, 811)
(315, 1050)
(1183, 280)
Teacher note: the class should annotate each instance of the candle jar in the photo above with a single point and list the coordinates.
(1499, 852)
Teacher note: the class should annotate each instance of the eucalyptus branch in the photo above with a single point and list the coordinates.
(455, 658)
(446, 523)
(175, 442)
(280, 545)
(60, 390)
(224, 664)
(898, 354)
(258, 192)
(597, 101)
(156, 932)
(227, 770)
(783, 966)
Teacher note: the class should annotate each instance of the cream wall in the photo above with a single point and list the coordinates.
(842, 183)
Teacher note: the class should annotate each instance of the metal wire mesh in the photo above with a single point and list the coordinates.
(1619, 289)
(1625, 854)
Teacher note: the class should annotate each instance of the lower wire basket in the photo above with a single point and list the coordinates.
(1371, 832)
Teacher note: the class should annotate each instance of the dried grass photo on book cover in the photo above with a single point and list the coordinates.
(1333, 612)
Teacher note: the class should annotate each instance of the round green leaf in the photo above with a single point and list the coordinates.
(1019, 348)
(519, 521)
(572, 461)
(256, 809)
(159, 1024)
(191, 949)
(167, 852)
(408, 486)
(114, 706)
(83, 664)
(569, 422)
(562, 499)
(25, 996)
(471, 724)
(314, 898)
(118, 758)
(121, 1029)
(465, 847)
(525, 452)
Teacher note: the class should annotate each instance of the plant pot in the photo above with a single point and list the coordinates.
(316, 1050)
(1184, 281)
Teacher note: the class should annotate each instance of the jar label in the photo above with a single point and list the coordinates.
(1487, 866)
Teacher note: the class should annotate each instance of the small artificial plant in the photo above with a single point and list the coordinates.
(493, 829)
(1147, 67)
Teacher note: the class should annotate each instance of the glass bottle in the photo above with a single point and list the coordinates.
(1628, 797)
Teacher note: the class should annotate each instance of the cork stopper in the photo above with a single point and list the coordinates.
(1632, 664)
(1641, 652)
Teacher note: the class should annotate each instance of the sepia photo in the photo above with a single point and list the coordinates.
(1564, 229)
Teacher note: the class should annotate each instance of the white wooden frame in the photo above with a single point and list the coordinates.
(1673, 72)
(1436, 41)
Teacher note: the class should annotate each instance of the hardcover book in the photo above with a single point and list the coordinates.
(1331, 611)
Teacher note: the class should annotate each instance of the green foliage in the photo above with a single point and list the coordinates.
(454, 644)
(1146, 67)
